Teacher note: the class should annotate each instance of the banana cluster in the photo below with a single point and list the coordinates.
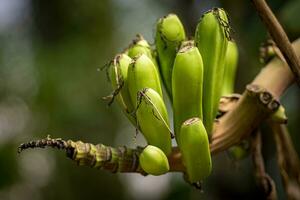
(195, 73)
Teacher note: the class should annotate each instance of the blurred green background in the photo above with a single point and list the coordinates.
(51, 83)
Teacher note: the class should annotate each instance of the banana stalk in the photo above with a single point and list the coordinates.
(194, 146)
(211, 38)
(169, 35)
(153, 120)
(154, 161)
(231, 61)
(187, 85)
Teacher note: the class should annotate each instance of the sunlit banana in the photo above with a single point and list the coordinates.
(169, 35)
(231, 61)
(142, 73)
(154, 161)
(211, 38)
(118, 77)
(153, 120)
(187, 85)
(141, 46)
(194, 146)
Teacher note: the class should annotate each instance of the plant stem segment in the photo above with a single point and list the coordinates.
(279, 36)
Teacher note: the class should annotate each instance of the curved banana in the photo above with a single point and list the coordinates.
(153, 120)
(169, 35)
(211, 38)
(231, 61)
(118, 77)
(194, 146)
(154, 161)
(142, 73)
(187, 84)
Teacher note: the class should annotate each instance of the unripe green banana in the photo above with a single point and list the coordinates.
(154, 161)
(279, 116)
(187, 85)
(169, 35)
(141, 46)
(239, 151)
(153, 120)
(118, 77)
(194, 146)
(211, 38)
(142, 73)
(231, 61)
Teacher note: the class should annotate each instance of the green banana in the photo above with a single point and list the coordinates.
(154, 161)
(142, 73)
(141, 46)
(231, 61)
(187, 85)
(239, 151)
(169, 35)
(153, 120)
(118, 77)
(211, 38)
(194, 146)
(279, 116)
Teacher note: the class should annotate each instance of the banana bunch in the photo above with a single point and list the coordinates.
(195, 73)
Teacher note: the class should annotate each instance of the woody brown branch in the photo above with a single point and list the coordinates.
(288, 161)
(274, 79)
(279, 36)
(264, 181)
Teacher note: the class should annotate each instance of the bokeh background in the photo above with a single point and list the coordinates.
(51, 83)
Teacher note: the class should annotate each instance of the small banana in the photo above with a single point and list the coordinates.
(169, 35)
(231, 61)
(153, 120)
(194, 146)
(154, 161)
(187, 84)
(279, 116)
(211, 38)
(142, 73)
(141, 46)
(118, 77)
(239, 151)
